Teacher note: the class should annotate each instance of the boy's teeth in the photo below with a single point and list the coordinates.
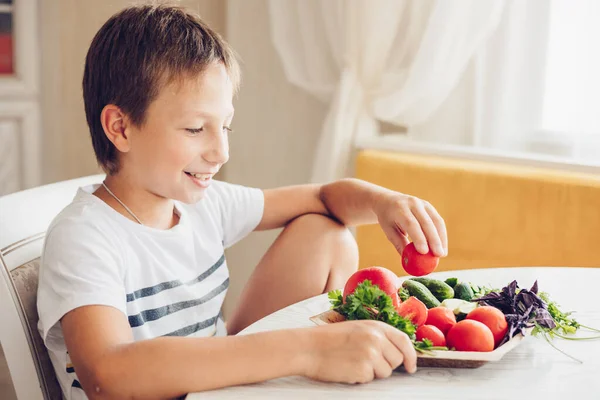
(203, 177)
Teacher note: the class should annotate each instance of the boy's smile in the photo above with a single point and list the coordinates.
(202, 180)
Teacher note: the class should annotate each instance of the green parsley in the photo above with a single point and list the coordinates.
(565, 324)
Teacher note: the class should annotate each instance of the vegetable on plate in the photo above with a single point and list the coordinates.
(453, 314)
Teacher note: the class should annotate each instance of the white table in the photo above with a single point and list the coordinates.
(534, 370)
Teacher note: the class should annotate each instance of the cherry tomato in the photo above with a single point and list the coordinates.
(432, 333)
(493, 318)
(417, 264)
(442, 318)
(470, 335)
(413, 309)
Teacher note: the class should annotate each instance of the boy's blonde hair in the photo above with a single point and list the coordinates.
(136, 53)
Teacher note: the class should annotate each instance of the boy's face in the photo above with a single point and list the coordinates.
(184, 139)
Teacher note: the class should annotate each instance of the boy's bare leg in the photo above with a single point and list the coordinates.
(313, 254)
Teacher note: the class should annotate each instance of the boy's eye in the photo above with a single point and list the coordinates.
(194, 131)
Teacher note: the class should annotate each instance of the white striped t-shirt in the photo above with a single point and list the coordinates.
(166, 282)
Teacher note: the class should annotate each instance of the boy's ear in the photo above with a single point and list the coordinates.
(115, 122)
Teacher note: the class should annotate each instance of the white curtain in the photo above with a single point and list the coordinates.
(390, 60)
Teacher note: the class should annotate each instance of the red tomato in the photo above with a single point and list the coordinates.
(382, 277)
(432, 333)
(418, 264)
(470, 335)
(493, 319)
(442, 318)
(413, 309)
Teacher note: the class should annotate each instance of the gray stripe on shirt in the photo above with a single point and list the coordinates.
(152, 290)
(157, 313)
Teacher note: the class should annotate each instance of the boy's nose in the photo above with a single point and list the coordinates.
(218, 152)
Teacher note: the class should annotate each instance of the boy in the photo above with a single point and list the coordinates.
(133, 272)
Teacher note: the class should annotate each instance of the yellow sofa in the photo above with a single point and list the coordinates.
(497, 215)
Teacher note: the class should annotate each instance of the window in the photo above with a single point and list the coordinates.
(571, 103)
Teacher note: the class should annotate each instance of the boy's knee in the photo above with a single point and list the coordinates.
(321, 224)
(330, 233)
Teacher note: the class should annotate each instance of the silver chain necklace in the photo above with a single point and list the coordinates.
(121, 203)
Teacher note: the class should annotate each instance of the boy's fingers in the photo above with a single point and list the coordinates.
(403, 343)
(430, 230)
(381, 369)
(413, 228)
(440, 225)
(396, 237)
(392, 354)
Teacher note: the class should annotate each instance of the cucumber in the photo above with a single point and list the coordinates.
(421, 292)
(463, 291)
(460, 308)
(451, 282)
(441, 290)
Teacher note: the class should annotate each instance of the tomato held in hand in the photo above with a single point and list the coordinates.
(470, 335)
(442, 318)
(493, 318)
(414, 310)
(417, 264)
(432, 333)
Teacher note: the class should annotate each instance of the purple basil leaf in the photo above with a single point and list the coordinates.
(534, 288)
(544, 319)
(529, 298)
(511, 289)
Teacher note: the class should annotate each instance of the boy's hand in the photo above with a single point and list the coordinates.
(402, 216)
(358, 352)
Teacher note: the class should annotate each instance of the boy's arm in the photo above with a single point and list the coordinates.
(110, 365)
(356, 202)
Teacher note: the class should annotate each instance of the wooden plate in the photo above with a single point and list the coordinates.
(440, 358)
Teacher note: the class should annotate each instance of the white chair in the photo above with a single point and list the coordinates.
(24, 218)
